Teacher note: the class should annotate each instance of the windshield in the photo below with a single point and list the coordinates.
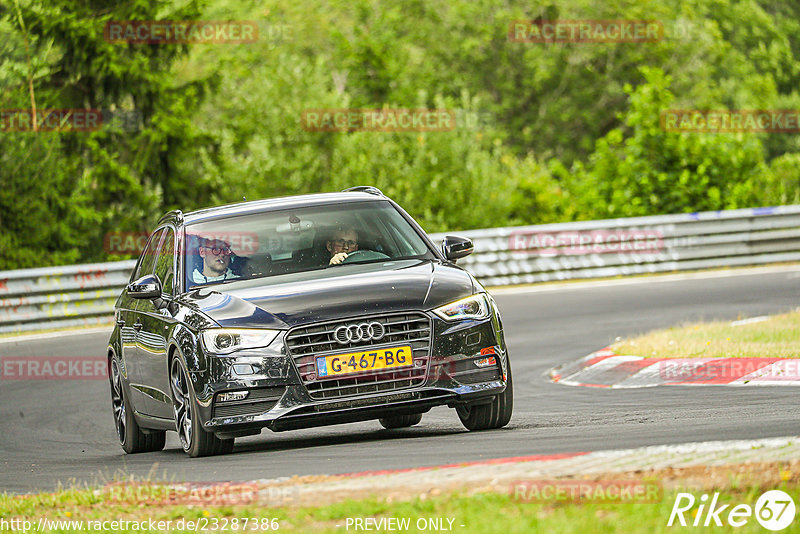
(281, 242)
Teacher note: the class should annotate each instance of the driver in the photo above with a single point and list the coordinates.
(344, 241)
(216, 255)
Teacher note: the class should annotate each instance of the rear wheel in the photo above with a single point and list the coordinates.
(131, 437)
(196, 441)
(400, 421)
(495, 414)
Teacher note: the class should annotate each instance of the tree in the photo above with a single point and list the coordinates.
(652, 171)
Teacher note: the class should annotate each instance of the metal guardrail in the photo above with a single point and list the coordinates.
(50, 297)
(85, 294)
(638, 245)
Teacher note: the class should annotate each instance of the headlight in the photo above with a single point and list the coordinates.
(227, 340)
(472, 307)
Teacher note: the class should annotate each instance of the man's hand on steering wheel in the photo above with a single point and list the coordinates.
(338, 258)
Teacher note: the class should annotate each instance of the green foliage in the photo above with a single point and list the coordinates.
(62, 192)
(782, 184)
(544, 133)
(43, 204)
(651, 171)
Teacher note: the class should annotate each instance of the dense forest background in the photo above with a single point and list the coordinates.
(546, 131)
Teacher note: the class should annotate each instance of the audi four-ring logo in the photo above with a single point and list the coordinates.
(353, 333)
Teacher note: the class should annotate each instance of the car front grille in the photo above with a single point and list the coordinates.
(466, 372)
(257, 402)
(478, 376)
(306, 343)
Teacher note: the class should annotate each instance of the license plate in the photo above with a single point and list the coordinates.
(368, 360)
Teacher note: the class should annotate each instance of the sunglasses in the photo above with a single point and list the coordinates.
(216, 251)
(341, 242)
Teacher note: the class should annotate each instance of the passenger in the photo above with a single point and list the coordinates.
(216, 256)
(344, 241)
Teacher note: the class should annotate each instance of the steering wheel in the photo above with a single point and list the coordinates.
(364, 255)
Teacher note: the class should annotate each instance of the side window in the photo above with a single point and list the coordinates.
(148, 258)
(165, 264)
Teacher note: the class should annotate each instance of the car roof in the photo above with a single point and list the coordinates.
(279, 203)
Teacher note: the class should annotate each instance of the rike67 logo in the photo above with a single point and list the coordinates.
(774, 510)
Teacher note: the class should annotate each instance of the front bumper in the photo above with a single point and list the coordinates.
(279, 400)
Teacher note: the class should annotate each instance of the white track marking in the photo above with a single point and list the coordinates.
(58, 334)
(759, 319)
(649, 279)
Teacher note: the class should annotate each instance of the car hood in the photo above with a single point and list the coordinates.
(343, 291)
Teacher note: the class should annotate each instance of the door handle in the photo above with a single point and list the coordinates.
(137, 326)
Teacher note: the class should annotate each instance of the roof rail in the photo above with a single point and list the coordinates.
(365, 189)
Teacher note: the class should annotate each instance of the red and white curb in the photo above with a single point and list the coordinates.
(489, 475)
(498, 474)
(607, 369)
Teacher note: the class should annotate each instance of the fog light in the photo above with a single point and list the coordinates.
(243, 369)
(474, 338)
(486, 362)
(233, 396)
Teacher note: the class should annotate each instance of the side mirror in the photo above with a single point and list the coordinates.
(455, 247)
(146, 287)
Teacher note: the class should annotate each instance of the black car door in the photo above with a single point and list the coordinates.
(156, 323)
(131, 328)
(125, 315)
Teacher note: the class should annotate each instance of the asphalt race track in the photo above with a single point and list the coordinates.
(53, 431)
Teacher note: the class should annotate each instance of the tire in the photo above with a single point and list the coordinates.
(400, 421)
(196, 441)
(131, 437)
(496, 414)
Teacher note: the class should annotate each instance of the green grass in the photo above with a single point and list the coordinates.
(479, 513)
(776, 337)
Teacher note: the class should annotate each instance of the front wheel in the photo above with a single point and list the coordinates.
(495, 414)
(196, 441)
(131, 437)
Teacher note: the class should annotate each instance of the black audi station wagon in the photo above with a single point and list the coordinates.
(297, 312)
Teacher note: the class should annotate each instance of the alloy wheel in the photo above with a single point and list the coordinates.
(181, 403)
(118, 401)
